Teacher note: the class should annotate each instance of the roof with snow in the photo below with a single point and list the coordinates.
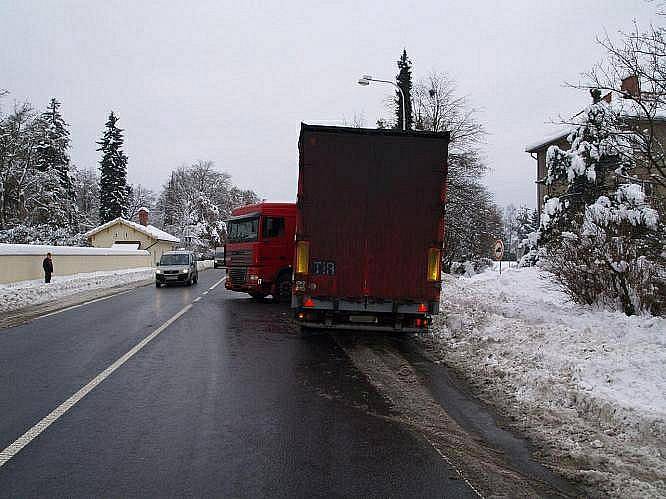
(626, 108)
(547, 140)
(149, 230)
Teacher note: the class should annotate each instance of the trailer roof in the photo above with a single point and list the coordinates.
(374, 131)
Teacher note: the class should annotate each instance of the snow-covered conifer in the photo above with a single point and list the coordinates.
(113, 173)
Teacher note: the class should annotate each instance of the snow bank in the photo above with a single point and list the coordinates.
(26, 293)
(591, 383)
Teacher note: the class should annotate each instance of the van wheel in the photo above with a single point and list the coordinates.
(283, 289)
(188, 282)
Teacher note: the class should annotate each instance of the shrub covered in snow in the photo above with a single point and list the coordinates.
(603, 241)
(469, 268)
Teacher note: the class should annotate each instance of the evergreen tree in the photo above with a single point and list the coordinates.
(404, 81)
(52, 159)
(586, 169)
(113, 168)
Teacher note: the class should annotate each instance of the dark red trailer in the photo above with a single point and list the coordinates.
(370, 228)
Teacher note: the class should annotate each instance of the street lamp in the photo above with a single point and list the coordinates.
(365, 81)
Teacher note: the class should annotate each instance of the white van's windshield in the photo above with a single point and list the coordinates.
(175, 259)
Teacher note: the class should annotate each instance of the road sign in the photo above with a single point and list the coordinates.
(499, 253)
(499, 249)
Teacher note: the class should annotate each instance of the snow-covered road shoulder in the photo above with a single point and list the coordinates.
(588, 383)
(23, 294)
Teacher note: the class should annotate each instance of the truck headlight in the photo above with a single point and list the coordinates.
(183, 271)
(159, 271)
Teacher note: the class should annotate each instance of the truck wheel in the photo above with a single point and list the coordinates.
(188, 282)
(157, 284)
(283, 289)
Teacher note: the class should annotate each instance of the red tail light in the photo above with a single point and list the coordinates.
(419, 322)
(309, 303)
(422, 308)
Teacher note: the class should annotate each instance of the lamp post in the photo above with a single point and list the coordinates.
(366, 79)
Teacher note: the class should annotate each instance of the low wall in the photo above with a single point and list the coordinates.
(23, 262)
(205, 264)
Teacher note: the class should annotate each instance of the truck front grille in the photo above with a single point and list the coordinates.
(238, 275)
(241, 257)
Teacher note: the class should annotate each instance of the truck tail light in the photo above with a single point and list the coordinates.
(302, 257)
(422, 308)
(308, 302)
(434, 264)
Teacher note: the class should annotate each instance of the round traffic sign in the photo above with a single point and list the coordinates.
(499, 249)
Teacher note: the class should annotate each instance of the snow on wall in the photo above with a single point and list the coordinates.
(42, 249)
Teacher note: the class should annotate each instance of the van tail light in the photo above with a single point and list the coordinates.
(434, 264)
(302, 257)
(422, 308)
(308, 303)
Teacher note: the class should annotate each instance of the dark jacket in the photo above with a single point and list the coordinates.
(48, 265)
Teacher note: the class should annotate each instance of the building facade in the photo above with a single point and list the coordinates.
(125, 233)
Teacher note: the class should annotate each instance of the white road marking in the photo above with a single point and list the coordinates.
(217, 284)
(204, 293)
(59, 411)
(196, 299)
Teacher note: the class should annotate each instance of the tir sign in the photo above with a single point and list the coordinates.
(499, 249)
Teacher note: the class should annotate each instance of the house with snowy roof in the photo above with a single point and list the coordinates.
(626, 108)
(121, 233)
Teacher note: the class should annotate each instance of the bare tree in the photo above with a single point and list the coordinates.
(634, 72)
(139, 196)
(438, 108)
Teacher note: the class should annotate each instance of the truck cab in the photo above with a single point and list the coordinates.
(260, 250)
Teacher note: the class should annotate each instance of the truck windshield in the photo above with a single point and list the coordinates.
(181, 259)
(243, 230)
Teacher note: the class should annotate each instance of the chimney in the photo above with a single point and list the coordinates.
(631, 86)
(143, 216)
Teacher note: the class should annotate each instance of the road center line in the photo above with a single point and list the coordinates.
(59, 411)
(196, 299)
(217, 284)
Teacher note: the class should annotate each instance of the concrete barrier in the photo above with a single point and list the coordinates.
(23, 262)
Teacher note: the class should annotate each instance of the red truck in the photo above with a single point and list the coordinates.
(370, 228)
(260, 250)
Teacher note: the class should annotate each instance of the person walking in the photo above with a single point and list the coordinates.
(47, 264)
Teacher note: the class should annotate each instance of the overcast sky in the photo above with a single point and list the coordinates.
(231, 81)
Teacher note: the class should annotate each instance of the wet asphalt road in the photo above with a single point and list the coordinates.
(228, 401)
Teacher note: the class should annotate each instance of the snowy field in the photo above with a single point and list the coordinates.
(22, 294)
(589, 384)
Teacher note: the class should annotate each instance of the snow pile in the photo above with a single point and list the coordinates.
(590, 383)
(42, 249)
(22, 294)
